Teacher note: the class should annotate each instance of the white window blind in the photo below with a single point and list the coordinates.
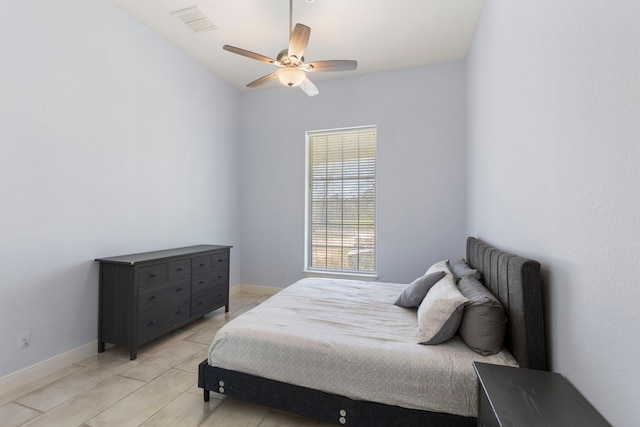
(341, 200)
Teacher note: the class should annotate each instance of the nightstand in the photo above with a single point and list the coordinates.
(520, 397)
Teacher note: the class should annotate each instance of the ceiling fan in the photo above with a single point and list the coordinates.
(292, 68)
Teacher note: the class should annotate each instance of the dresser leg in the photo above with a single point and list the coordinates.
(100, 346)
(133, 354)
(226, 308)
(206, 395)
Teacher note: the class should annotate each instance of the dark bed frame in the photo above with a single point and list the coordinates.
(513, 279)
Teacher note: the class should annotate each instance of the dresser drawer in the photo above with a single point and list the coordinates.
(208, 300)
(152, 275)
(155, 296)
(220, 260)
(166, 317)
(201, 264)
(205, 263)
(178, 269)
(209, 280)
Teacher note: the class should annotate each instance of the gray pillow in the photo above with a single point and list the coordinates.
(461, 269)
(414, 293)
(440, 312)
(483, 322)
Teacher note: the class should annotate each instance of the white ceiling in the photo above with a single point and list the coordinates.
(381, 35)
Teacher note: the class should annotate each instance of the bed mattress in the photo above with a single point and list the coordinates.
(347, 337)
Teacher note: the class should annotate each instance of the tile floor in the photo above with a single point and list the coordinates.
(159, 388)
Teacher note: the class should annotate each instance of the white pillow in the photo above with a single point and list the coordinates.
(440, 312)
(440, 266)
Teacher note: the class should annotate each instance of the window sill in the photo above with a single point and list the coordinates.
(339, 275)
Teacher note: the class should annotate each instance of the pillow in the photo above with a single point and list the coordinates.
(461, 269)
(440, 266)
(483, 322)
(440, 312)
(414, 293)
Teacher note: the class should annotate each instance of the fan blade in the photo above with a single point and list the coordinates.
(299, 40)
(262, 80)
(308, 87)
(250, 54)
(335, 65)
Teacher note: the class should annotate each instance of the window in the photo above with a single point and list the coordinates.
(341, 201)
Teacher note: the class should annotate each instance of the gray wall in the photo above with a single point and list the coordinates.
(111, 141)
(554, 122)
(420, 114)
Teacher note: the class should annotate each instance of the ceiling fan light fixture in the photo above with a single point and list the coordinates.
(290, 76)
(293, 70)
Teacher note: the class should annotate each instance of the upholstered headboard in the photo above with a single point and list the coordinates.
(516, 282)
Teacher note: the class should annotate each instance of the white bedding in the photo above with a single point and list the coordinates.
(347, 337)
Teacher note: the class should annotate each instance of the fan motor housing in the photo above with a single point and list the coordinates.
(284, 58)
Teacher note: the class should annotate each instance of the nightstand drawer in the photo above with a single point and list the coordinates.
(208, 300)
(161, 318)
(156, 296)
(152, 275)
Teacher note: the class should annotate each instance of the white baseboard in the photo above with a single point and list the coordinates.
(32, 373)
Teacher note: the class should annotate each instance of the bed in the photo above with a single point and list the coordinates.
(305, 355)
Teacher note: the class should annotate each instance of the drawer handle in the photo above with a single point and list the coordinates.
(152, 275)
(219, 277)
(153, 322)
(179, 312)
(201, 282)
(179, 290)
(151, 298)
(178, 269)
(202, 264)
(200, 302)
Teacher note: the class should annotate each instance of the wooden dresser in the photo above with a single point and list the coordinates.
(146, 295)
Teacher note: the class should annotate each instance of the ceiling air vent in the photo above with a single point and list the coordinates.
(195, 19)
